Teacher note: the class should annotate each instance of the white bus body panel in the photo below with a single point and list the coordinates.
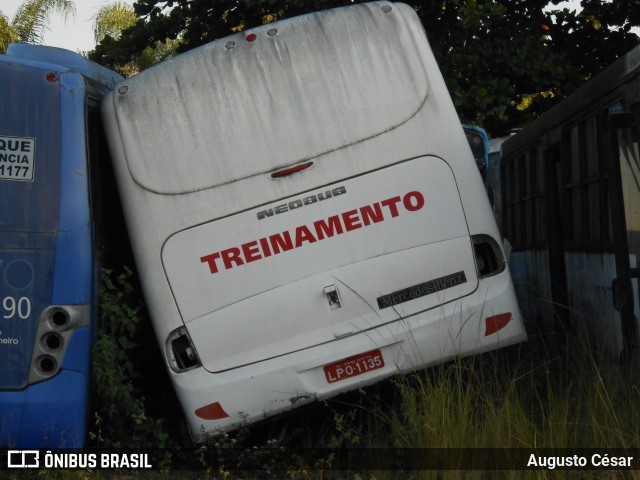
(356, 91)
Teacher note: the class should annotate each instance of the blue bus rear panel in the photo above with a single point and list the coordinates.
(47, 264)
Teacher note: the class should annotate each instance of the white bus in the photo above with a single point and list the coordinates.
(306, 214)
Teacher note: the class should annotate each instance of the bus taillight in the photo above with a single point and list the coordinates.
(489, 258)
(213, 411)
(496, 323)
(181, 354)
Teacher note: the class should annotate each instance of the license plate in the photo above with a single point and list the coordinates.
(353, 366)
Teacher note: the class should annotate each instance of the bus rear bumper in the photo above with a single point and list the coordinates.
(486, 320)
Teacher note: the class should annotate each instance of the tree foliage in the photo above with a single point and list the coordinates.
(109, 23)
(31, 20)
(504, 61)
(112, 19)
(596, 36)
(7, 33)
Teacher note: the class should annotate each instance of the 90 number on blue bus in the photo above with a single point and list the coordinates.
(16, 307)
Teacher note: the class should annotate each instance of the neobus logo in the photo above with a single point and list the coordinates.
(301, 202)
(317, 231)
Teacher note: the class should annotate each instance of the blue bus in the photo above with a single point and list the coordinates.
(479, 144)
(487, 154)
(51, 149)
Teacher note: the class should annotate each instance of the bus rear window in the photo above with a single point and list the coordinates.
(346, 92)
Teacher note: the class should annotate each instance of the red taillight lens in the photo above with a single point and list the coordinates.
(213, 411)
(496, 323)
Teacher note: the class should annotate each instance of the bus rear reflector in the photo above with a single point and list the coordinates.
(496, 323)
(213, 411)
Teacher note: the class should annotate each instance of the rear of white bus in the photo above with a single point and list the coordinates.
(306, 214)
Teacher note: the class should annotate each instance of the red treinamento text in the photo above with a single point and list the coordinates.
(315, 232)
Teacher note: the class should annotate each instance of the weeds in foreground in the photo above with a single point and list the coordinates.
(528, 401)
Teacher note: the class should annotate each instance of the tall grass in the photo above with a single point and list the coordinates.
(533, 397)
(541, 397)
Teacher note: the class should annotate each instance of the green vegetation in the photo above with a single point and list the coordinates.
(111, 20)
(488, 403)
(126, 367)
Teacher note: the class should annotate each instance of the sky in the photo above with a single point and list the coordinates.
(76, 34)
